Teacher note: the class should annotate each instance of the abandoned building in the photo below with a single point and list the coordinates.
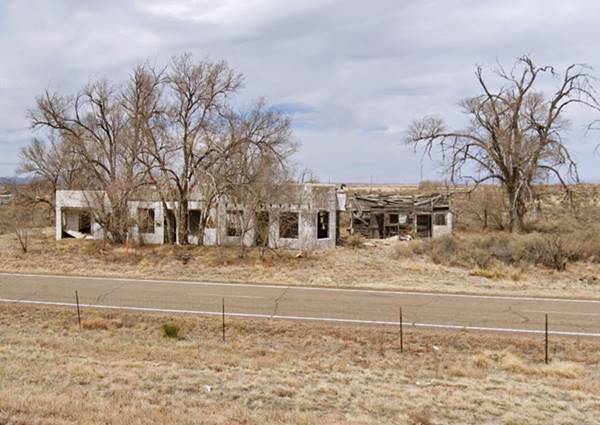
(306, 217)
(381, 217)
(6, 197)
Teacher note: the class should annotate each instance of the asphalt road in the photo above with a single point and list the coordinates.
(569, 317)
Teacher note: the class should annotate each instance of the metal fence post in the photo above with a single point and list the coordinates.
(78, 312)
(401, 333)
(546, 340)
(223, 317)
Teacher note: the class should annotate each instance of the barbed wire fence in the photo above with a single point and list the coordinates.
(339, 313)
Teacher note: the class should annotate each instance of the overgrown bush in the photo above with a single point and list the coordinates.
(355, 241)
(407, 249)
(171, 330)
(551, 250)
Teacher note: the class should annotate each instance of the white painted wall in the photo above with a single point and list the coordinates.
(67, 204)
(210, 235)
(313, 199)
(327, 200)
(438, 231)
(158, 236)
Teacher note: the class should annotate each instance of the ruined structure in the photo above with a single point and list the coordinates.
(6, 197)
(380, 217)
(301, 216)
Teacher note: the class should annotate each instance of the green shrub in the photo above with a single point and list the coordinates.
(171, 330)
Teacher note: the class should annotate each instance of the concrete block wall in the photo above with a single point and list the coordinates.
(158, 236)
(438, 231)
(70, 203)
(326, 200)
(314, 198)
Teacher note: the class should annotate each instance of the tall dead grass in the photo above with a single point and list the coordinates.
(352, 265)
(552, 250)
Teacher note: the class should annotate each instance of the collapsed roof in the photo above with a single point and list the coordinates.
(383, 216)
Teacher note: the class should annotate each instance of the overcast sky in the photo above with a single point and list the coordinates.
(352, 74)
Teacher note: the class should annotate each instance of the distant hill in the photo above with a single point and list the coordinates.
(14, 180)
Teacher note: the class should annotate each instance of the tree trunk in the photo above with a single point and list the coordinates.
(182, 222)
(485, 218)
(115, 220)
(516, 210)
(204, 217)
(201, 228)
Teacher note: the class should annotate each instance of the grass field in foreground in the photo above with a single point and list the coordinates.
(121, 369)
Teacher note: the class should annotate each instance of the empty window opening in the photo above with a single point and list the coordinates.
(146, 220)
(322, 224)
(85, 222)
(194, 219)
(440, 220)
(423, 225)
(394, 219)
(234, 223)
(76, 223)
(288, 225)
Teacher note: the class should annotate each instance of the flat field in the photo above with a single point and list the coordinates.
(120, 368)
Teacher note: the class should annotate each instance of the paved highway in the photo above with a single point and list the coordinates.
(569, 317)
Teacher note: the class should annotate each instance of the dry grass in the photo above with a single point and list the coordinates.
(279, 372)
(483, 251)
(388, 265)
(472, 262)
(101, 323)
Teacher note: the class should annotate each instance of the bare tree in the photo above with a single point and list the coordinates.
(194, 95)
(253, 164)
(484, 206)
(515, 134)
(171, 130)
(95, 125)
(21, 227)
(20, 219)
(53, 165)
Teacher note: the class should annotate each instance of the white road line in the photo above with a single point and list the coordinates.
(306, 288)
(304, 318)
(564, 313)
(227, 295)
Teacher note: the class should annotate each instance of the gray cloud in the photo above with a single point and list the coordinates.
(351, 74)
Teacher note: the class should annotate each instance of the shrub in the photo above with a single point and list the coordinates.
(407, 249)
(483, 251)
(171, 330)
(443, 250)
(419, 418)
(92, 248)
(355, 241)
(101, 323)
